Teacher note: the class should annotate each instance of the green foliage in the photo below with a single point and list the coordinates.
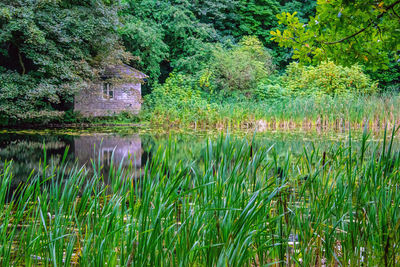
(179, 35)
(241, 67)
(177, 93)
(327, 78)
(270, 90)
(22, 98)
(48, 49)
(222, 15)
(165, 34)
(347, 32)
(179, 101)
(304, 8)
(389, 79)
(145, 40)
(257, 17)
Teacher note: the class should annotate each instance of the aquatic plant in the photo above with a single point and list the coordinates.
(240, 203)
(303, 112)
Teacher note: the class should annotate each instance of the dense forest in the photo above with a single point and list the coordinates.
(198, 54)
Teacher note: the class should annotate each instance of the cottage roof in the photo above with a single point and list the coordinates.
(122, 71)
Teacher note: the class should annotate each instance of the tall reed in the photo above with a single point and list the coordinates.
(375, 111)
(239, 204)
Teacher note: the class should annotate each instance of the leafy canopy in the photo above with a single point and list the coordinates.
(360, 31)
(241, 67)
(222, 15)
(165, 34)
(327, 79)
(48, 49)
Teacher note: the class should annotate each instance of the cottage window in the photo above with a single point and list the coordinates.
(108, 91)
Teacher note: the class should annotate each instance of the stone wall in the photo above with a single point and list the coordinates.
(90, 102)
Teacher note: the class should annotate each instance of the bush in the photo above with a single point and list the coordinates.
(177, 95)
(270, 90)
(389, 79)
(242, 67)
(327, 78)
(23, 99)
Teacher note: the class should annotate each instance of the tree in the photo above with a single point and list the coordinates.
(241, 67)
(304, 8)
(257, 17)
(347, 32)
(145, 40)
(181, 41)
(222, 15)
(48, 49)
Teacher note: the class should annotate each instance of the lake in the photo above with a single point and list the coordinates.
(294, 197)
(129, 146)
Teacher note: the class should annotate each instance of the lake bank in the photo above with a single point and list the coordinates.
(325, 113)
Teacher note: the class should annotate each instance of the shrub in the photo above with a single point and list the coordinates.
(389, 79)
(242, 67)
(270, 90)
(327, 78)
(177, 94)
(23, 99)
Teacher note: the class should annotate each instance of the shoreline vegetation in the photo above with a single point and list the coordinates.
(239, 204)
(325, 113)
(213, 63)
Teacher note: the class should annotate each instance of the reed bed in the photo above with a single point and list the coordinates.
(239, 204)
(327, 112)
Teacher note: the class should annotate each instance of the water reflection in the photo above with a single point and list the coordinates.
(110, 151)
(27, 153)
(26, 150)
(123, 150)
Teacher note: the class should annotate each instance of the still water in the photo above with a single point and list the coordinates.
(134, 149)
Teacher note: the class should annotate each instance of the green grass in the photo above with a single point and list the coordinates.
(334, 113)
(340, 112)
(239, 204)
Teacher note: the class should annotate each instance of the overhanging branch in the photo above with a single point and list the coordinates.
(365, 28)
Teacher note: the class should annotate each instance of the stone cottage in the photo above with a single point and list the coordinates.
(118, 89)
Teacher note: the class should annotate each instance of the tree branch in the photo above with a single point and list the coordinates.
(394, 12)
(348, 37)
(364, 29)
(21, 62)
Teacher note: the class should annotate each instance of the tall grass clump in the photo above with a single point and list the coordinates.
(247, 94)
(181, 102)
(238, 204)
(374, 111)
